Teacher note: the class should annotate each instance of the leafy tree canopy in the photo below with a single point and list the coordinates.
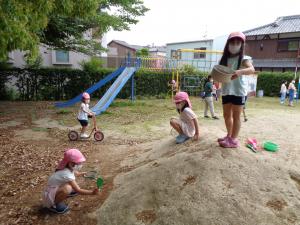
(63, 24)
(144, 52)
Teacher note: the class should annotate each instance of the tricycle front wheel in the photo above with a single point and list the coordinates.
(73, 135)
(98, 136)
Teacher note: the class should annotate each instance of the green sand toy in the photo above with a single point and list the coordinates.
(270, 146)
(100, 182)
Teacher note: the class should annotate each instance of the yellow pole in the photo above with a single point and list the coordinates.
(173, 77)
(177, 81)
(201, 51)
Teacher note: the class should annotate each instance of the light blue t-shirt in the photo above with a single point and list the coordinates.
(238, 86)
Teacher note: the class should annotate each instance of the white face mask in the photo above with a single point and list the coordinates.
(77, 167)
(234, 49)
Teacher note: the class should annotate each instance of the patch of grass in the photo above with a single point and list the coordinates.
(64, 111)
(106, 113)
(39, 129)
(147, 127)
(68, 121)
(139, 97)
(127, 103)
(33, 116)
(162, 96)
(125, 130)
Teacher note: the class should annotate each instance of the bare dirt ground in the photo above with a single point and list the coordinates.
(148, 178)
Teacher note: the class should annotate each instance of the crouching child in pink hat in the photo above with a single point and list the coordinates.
(187, 124)
(62, 184)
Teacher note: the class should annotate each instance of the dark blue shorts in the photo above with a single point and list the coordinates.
(234, 100)
(83, 123)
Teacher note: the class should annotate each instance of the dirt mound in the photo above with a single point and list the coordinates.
(201, 183)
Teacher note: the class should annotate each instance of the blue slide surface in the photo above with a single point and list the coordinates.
(113, 91)
(92, 88)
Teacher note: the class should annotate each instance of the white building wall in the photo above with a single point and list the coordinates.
(49, 59)
(218, 45)
(203, 64)
(210, 59)
(157, 54)
(104, 45)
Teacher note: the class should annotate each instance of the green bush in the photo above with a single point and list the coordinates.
(4, 78)
(63, 83)
(12, 94)
(94, 65)
(189, 70)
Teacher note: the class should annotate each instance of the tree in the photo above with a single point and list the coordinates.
(187, 69)
(63, 24)
(94, 65)
(144, 52)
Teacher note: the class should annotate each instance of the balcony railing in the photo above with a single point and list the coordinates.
(159, 63)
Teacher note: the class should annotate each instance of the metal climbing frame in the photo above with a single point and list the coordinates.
(191, 84)
(177, 63)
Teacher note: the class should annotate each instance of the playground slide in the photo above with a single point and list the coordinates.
(113, 91)
(92, 88)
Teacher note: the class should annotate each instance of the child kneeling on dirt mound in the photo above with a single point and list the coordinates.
(187, 124)
(62, 184)
(84, 113)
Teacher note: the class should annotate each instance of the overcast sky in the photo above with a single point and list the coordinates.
(187, 20)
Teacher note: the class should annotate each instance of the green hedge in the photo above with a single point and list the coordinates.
(270, 82)
(51, 84)
(63, 84)
(3, 88)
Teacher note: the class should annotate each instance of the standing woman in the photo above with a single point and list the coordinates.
(209, 99)
(283, 92)
(234, 92)
(292, 90)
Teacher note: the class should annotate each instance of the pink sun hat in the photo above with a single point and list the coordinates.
(182, 96)
(86, 95)
(237, 35)
(71, 155)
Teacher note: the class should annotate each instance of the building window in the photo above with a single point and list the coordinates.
(200, 55)
(288, 45)
(175, 54)
(62, 56)
(293, 45)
